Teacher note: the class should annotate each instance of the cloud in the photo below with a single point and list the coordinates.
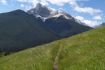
(33, 2)
(3, 2)
(91, 23)
(58, 2)
(73, 3)
(98, 17)
(88, 10)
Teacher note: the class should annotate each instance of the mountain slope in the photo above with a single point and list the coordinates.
(65, 27)
(19, 30)
(85, 51)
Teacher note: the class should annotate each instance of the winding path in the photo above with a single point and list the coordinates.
(56, 60)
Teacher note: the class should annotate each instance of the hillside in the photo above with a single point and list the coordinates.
(85, 51)
(19, 30)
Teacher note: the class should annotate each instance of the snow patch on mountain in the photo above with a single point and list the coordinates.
(45, 12)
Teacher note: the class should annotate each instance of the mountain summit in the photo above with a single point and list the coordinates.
(45, 12)
(41, 11)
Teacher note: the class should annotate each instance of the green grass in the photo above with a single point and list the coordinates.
(85, 51)
(33, 59)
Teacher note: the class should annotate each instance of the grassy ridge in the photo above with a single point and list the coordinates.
(85, 51)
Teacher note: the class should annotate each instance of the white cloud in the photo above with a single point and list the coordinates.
(3, 1)
(58, 2)
(72, 3)
(79, 17)
(98, 17)
(88, 10)
(91, 23)
(33, 2)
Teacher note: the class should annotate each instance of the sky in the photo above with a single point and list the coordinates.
(91, 12)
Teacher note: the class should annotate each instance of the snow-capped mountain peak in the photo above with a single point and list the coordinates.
(40, 10)
(45, 12)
